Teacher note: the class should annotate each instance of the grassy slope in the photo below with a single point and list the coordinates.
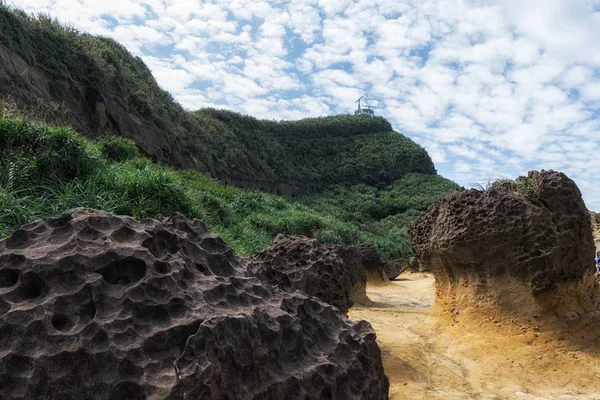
(329, 159)
(108, 174)
(306, 154)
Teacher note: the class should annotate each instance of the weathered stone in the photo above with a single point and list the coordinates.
(394, 268)
(96, 306)
(541, 240)
(334, 274)
(374, 266)
(378, 269)
(415, 265)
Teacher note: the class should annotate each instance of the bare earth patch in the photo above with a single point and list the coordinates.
(428, 357)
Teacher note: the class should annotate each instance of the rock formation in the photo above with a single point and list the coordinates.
(523, 247)
(334, 274)
(378, 269)
(95, 306)
(375, 267)
(414, 264)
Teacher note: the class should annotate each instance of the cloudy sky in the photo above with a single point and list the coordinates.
(490, 88)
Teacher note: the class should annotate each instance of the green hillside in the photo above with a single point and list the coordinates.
(69, 72)
(344, 179)
(109, 174)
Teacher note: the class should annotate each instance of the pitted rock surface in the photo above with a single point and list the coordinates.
(542, 239)
(334, 274)
(379, 269)
(374, 266)
(95, 306)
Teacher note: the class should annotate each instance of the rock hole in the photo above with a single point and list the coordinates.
(127, 391)
(203, 269)
(20, 366)
(162, 267)
(99, 223)
(161, 243)
(61, 322)
(123, 234)
(177, 307)
(12, 260)
(154, 314)
(19, 239)
(185, 332)
(31, 287)
(127, 369)
(220, 265)
(89, 233)
(8, 277)
(187, 275)
(124, 272)
(214, 244)
(59, 222)
(87, 312)
(4, 308)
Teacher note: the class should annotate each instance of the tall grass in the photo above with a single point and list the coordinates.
(360, 180)
(47, 170)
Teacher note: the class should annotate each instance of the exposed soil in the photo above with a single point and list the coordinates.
(428, 357)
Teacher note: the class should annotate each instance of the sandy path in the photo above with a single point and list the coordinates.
(428, 359)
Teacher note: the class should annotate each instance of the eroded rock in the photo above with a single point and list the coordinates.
(333, 274)
(519, 251)
(95, 306)
(378, 269)
(374, 266)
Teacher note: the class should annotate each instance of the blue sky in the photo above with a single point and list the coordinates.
(490, 88)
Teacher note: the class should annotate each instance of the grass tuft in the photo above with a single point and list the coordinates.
(117, 148)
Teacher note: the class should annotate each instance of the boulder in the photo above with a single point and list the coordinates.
(97, 306)
(378, 269)
(374, 266)
(523, 245)
(415, 265)
(333, 274)
(394, 268)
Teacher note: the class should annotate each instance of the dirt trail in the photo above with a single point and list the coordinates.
(427, 358)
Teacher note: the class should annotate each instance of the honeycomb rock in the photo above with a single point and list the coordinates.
(485, 239)
(374, 266)
(96, 306)
(334, 274)
(378, 269)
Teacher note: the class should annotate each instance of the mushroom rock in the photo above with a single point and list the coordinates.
(375, 268)
(98, 306)
(524, 248)
(379, 270)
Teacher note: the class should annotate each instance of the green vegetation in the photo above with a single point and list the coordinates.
(306, 155)
(117, 148)
(522, 185)
(47, 170)
(384, 212)
(356, 179)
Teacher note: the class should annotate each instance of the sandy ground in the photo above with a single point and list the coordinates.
(427, 357)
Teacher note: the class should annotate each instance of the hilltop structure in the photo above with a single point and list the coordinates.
(364, 110)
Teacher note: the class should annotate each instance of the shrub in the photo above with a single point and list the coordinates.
(32, 153)
(117, 148)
